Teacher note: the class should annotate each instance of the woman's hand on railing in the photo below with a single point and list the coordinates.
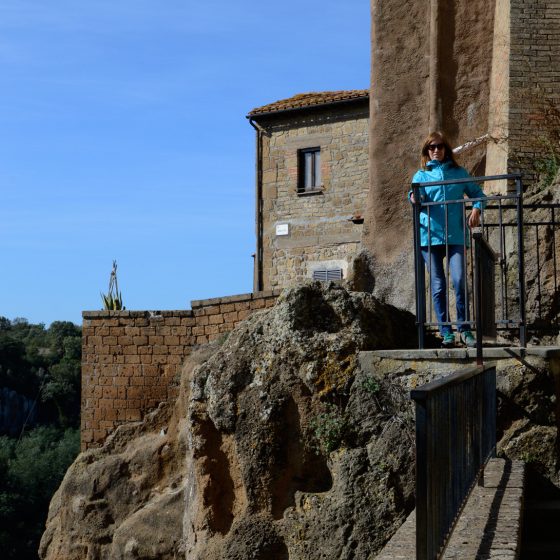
(474, 218)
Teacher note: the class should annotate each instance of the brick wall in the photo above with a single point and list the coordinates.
(321, 232)
(534, 79)
(131, 360)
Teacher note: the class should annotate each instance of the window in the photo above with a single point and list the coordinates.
(327, 274)
(309, 170)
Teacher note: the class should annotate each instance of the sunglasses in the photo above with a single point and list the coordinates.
(433, 147)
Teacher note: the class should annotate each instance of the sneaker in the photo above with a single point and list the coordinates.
(468, 339)
(448, 340)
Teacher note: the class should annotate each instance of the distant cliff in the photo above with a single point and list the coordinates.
(15, 411)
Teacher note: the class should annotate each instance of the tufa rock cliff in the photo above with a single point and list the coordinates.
(278, 447)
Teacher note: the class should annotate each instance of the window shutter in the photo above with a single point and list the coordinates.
(327, 274)
(334, 274)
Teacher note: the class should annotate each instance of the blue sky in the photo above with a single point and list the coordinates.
(123, 136)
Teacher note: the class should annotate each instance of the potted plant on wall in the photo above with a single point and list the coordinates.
(112, 301)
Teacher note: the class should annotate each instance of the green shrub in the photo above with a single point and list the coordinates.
(547, 168)
(370, 384)
(329, 428)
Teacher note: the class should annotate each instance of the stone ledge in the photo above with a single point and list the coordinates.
(103, 314)
(466, 353)
(235, 298)
(196, 303)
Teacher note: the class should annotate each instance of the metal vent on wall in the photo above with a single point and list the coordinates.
(327, 274)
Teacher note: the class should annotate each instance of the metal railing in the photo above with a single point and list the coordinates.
(498, 234)
(541, 231)
(455, 437)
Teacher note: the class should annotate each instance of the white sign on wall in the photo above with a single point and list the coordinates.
(282, 229)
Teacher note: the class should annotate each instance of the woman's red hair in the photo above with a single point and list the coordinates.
(437, 137)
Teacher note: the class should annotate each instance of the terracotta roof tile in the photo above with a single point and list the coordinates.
(304, 100)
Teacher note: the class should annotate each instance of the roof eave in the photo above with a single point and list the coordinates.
(255, 116)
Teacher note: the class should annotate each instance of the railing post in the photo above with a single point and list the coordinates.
(477, 234)
(484, 290)
(419, 273)
(521, 264)
(421, 480)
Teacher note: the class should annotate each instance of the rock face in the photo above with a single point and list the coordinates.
(528, 416)
(278, 447)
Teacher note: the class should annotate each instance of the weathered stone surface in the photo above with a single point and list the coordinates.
(125, 500)
(257, 400)
(278, 447)
(361, 277)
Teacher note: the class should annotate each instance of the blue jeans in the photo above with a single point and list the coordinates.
(436, 255)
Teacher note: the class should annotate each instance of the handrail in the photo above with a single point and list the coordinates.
(433, 387)
(481, 179)
(455, 437)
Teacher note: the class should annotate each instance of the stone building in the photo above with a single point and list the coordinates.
(312, 183)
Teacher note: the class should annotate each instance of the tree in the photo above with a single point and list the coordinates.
(30, 471)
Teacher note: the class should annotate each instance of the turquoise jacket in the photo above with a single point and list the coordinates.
(443, 171)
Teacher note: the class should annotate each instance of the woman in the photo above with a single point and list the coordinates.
(438, 164)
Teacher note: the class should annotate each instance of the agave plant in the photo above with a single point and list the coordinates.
(112, 301)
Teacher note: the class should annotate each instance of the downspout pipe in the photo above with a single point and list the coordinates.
(258, 266)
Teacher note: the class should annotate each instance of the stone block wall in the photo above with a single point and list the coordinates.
(131, 360)
(320, 227)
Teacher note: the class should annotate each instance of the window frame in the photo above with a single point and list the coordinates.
(316, 185)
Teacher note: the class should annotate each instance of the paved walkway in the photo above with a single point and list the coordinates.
(489, 527)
